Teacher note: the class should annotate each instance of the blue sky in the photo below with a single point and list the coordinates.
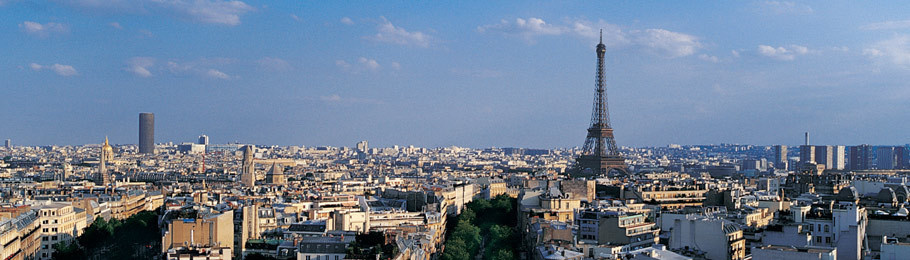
(476, 74)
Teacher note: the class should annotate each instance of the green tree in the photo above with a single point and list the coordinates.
(468, 214)
(479, 205)
(69, 250)
(500, 233)
(455, 251)
(503, 254)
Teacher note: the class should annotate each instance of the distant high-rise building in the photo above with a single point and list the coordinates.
(9, 144)
(839, 157)
(248, 168)
(884, 158)
(780, 157)
(363, 146)
(600, 154)
(900, 157)
(146, 133)
(203, 140)
(824, 154)
(861, 157)
(806, 154)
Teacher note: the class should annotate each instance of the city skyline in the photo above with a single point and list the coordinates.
(506, 76)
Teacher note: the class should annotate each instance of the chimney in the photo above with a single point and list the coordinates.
(807, 138)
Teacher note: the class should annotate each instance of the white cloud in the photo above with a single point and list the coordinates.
(331, 98)
(887, 25)
(64, 70)
(708, 58)
(531, 28)
(116, 25)
(364, 64)
(664, 42)
(275, 64)
(784, 53)
(342, 64)
(60, 69)
(213, 73)
(42, 30)
(140, 66)
(895, 51)
(204, 11)
(337, 99)
(295, 17)
(346, 20)
(734, 53)
(784, 7)
(207, 11)
(368, 63)
(672, 44)
(390, 33)
(204, 67)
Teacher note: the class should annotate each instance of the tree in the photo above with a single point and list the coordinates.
(500, 233)
(455, 250)
(479, 205)
(503, 254)
(468, 215)
(69, 250)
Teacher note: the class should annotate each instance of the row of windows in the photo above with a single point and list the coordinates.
(812, 228)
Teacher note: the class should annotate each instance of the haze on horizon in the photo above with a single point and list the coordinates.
(467, 74)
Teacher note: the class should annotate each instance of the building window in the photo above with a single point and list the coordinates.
(828, 240)
(826, 228)
(818, 239)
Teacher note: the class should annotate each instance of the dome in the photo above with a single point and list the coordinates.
(848, 194)
(886, 195)
(900, 192)
(107, 152)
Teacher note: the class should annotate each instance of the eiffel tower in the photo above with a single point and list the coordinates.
(600, 154)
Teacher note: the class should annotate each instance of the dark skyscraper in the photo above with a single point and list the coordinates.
(861, 157)
(806, 152)
(146, 133)
(600, 154)
(780, 157)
